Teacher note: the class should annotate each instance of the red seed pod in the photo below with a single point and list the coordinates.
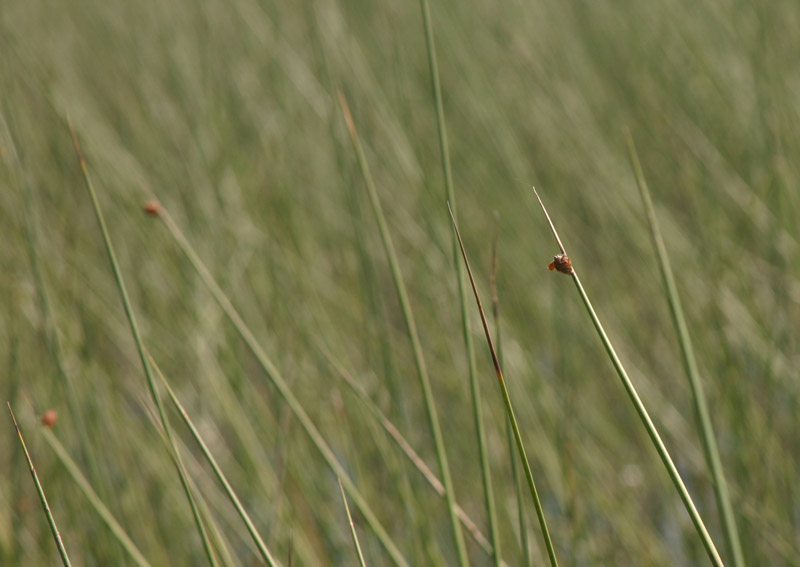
(562, 263)
(49, 418)
(152, 208)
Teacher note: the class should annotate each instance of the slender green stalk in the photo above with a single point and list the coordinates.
(521, 519)
(410, 453)
(279, 382)
(444, 151)
(352, 525)
(703, 416)
(50, 330)
(257, 539)
(652, 432)
(50, 520)
(551, 552)
(215, 536)
(221, 547)
(94, 500)
(411, 327)
(140, 346)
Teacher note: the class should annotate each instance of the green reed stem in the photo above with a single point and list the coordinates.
(652, 432)
(251, 529)
(94, 500)
(40, 490)
(410, 453)
(352, 526)
(521, 519)
(703, 416)
(477, 409)
(277, 379)
(551, 552)
(411, 328)
(140, 347)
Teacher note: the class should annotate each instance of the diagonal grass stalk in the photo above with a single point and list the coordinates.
(94, 500)
(251, 529)
(215, 536)
(277, 379)
(140, 346)
(50, 330)
(649, 426)
(444, 151)
(40, 490)
(551, 552)
(352, 525)
(411, 328)
(702, 414)
(409, 452)
(521, 519)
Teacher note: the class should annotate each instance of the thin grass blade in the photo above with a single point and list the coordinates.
(94, 499)
(277, 379)
(710, 448)
(352, 525)
(521, 518)
(649, 426)
(413, 335)
(409, 452)
(40, 490)
(140, 346)
(450, 197)
(257, 539)
(551, 552)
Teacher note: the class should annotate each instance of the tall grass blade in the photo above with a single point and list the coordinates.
(551, 552)
(703, 416)
(50, 520)
(251, 529)
(444, 151)
(277, 379)
(652, 432)
(94, 499)
(140, 346)
(352, 525)
(411, 328)
(521, 519)
(215, 536)
(410, 453)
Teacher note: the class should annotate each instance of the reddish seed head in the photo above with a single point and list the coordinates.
(49, 418)
(152, 208)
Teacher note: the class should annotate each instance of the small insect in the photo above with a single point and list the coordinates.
(562, 263)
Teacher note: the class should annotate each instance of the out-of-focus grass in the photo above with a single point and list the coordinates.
(228, 112)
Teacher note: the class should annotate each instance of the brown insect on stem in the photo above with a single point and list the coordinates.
(562, 263)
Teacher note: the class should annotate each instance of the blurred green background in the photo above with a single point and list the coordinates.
(226, 112)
